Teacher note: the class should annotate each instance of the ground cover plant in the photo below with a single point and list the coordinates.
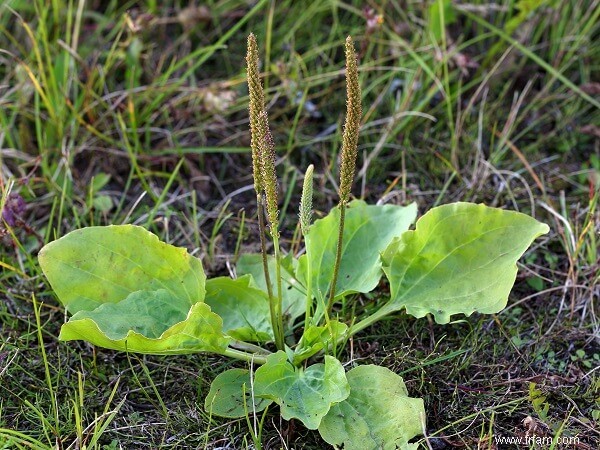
(128, 291)
(113, 134)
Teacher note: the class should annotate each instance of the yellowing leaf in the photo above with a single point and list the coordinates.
(152, 322)
(461, 258)
(129, 291)
(97, 265)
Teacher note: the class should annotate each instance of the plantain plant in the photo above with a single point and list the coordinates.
(126, 290)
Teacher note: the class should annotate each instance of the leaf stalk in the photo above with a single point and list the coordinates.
(244, 356)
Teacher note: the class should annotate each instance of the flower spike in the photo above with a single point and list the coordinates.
(256, 107)
(306, 200)
(265, 184)
(348, 154)
(269, 176)
(352, 125)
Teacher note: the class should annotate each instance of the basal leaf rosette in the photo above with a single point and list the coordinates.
(130, 291)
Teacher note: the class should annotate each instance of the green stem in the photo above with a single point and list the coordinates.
(245, 346)
(338, 257)
(263, 243)
(243, 356)
(308, 290)
(370, 320)
(276, 303)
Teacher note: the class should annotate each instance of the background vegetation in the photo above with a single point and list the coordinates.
(136, 112)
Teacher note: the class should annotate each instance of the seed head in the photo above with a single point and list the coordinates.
(306, 200)
(352, 125)
(269, 175)
(256, 107)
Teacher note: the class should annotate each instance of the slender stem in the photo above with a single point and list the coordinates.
(263, 243)
(246, 346)
(276, 303)
(243, 356)
(252, 429)
(368, 321)
(338, 257)
(308, 292)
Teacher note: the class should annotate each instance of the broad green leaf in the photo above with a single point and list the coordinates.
(316, 338)
(97, 265)
(368, 231)
(304, 394)
(151, 322)
(243, 307)
(231, 396)
(294, 295)
(378, 414)
(461, 258)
